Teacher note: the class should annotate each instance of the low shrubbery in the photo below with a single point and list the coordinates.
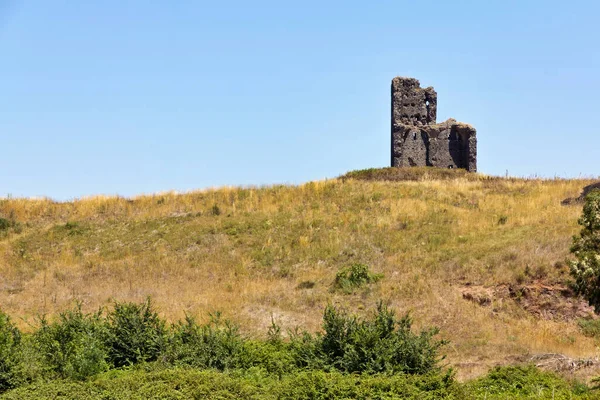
(131, 353)
(354, 277)
(217, 344)
(525, 382)
(251, 384)
(74, 346)
(10, 340)
(177, 383)
(77, 345)
(381, 344)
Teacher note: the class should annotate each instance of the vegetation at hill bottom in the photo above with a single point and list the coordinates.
(483, 260)
(131, 353)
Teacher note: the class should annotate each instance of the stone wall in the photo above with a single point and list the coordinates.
(412, 105)
(417, 140)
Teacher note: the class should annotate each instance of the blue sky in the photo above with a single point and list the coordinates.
(131, 97)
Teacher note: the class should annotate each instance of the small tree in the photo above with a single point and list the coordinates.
(380, 344)
(586, 248)
(135, 333)
(73, 346)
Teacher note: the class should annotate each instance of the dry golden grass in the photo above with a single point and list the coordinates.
(244, 251)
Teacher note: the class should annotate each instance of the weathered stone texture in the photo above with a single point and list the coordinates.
(417, 140)
(412, 105)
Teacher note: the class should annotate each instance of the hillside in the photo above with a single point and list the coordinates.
(482, 258)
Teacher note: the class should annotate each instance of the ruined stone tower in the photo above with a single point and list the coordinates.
(417, 140)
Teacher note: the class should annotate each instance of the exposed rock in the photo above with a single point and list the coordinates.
(544, 301)
(417, 140)
(562, 363)
(481, 296)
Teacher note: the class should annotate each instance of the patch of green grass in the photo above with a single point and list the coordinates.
(590, 327)
(410, 174)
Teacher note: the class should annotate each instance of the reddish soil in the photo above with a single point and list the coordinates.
(543, 300)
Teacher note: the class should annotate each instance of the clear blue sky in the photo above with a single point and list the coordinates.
(130, 97)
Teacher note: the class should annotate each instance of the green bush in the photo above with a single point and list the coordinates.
(252, 384)
(500, 384)
(273, 358)
(74, 345)
(523, 381)
(77, 346)
(589, 327)
(354, 277)
(5, 224)
(334, 385)
(135, 334)
(10, 341)
(586, 248)
(378, 357)
(379, 344)
(8, 224)
(217, 344)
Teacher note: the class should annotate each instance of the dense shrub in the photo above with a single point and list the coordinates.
(379, 344)
(7, 224)
(523, 382)
(77, 346)
(273, 358)
(10, 341)
(586, 248)
(500, 384)
(74, 345)
(382, 343)
(135, 333)
(354, 277)
(217, 344)
(253, 384)
(335, 385)
(377, 357)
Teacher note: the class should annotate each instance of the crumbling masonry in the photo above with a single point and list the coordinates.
(417, 140)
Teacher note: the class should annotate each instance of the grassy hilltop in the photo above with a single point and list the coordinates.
(482, 258)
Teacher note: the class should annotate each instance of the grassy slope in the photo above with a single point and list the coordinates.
(245, 251)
